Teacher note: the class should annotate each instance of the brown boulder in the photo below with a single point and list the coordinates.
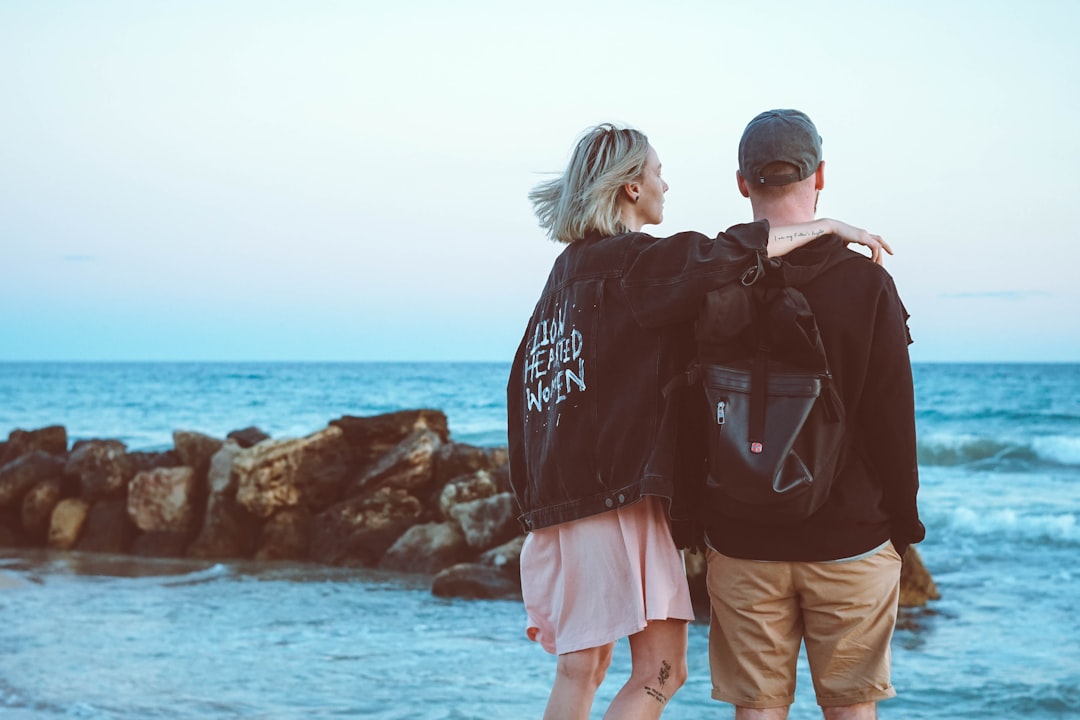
(507, 555)
(101, 467)
(52, 440)
(142, 460)
(37, 507)
(247, 437)
(453, 460)
(21, 474)
(220, 478)
(476, 582)
(489, 521)
(195, 450)
(371, 437)
(286, 473)
(107, 528)
(163, 500)
(427, 548)
(466, 488)
(228, 531)
(286, 535)
(360, 530)
(409, 465)
(916, 586)
(66, 524)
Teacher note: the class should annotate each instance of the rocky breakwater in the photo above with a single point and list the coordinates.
(389, 491)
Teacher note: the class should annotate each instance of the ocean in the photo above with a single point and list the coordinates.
(84, 636)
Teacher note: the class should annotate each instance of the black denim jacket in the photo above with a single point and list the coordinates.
(584, 398)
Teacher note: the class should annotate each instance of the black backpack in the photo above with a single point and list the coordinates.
(776, 426)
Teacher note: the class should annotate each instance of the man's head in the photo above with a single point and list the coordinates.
(780, 166)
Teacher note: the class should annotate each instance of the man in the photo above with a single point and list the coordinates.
(831, 580)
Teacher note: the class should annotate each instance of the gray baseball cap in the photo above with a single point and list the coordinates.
(787, 136)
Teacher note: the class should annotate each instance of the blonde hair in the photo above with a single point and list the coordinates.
(584, 199)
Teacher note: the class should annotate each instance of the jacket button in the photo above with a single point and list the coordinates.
(622, 498)
(609, 502)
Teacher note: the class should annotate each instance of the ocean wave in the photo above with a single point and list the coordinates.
(1003, 454)
(1011, 525)
(214, 572)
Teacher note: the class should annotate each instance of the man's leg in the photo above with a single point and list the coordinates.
(862, 711)
(754, 635)
(774, 713)
(577, 676)
(658, 670)
(849, 611)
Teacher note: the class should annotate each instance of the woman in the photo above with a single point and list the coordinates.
(590, 464)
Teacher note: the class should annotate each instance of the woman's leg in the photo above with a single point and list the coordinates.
(577, 676)
(658, 669)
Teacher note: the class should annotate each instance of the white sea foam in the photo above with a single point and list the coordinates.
(214, 572)
(1064, 449)
(1012, 525)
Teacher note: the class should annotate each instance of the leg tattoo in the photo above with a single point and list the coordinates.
(662, 678)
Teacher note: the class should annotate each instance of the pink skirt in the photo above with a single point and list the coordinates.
(590, 582)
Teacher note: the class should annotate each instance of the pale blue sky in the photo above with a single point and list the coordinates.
(347, 181)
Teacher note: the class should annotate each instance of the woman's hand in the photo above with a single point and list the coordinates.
(852, 234)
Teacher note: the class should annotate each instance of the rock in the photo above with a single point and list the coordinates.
(487, 522)
(916, 585)
(37, 507)
(66, 524)
(371, 437)
(11, 531)
(24, 472)
(161, 543)
(51, 440)
(466, 488)
(358, 531)
(228, 531)
(195, 450)
(150, 460)
(102, 468)
(162, 500)
(476, 582)
(248, 437)
(286, 473)
(219, 475)
(453, 460)
(501, 476)
(506, 558)
(409, 465)
(286, 535)
(107, 528)
(427, 548)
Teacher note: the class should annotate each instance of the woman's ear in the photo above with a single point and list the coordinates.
(819, 179)
(632, 190)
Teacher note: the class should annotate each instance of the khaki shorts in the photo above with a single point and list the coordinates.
(761, 611)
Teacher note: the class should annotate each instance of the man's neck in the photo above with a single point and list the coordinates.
(782, 213)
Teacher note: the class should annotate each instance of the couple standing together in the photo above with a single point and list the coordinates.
(601, 480)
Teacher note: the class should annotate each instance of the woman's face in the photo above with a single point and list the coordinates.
(650, 204)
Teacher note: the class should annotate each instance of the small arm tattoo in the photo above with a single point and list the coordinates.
(798, 235)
